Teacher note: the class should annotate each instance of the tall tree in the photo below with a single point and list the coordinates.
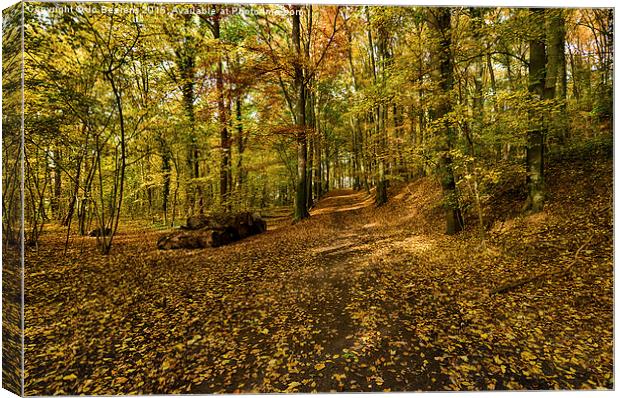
(185, 41)
(383, 54)
(440, 20)
(536, 132)
(301, 209)
(222, 111)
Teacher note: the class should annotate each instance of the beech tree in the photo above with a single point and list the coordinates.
(440, 21)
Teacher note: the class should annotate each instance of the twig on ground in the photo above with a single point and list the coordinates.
(523, 281)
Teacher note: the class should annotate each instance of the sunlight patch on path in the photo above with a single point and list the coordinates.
(343, 201)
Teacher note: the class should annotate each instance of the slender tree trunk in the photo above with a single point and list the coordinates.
(223, 120)
(166, 170)
(355, 122)
(318, 183)
(119, 182)
(380, 126)
(478, 109)
(327, 170)
(555, 47)
(186, 64)
(536, 133)
(310, 167)
(311, 162)
(240, 145)
(301, 211)
(556, 69)
(57, 185)
(555, 58)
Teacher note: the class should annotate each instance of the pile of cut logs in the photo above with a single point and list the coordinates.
(212, 231)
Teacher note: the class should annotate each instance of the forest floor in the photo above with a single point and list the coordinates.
(356, 298)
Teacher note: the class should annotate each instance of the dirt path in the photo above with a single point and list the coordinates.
(319, 289)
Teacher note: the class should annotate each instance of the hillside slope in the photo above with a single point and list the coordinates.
(354, 299)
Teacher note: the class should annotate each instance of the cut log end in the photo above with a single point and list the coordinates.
(98, 232)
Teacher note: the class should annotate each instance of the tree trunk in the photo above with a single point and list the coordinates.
(119, 182)
(309, 169)
(536, 133)
(318, 183)
(186, 62)
(441, 21)
(301, 211)
(478, 109)
(556, 69)
(356, 133)
(166, 171)
(223, 119)
(379, 122)
(311, 162)
(57, 186)
(66, 222)
(240, 145)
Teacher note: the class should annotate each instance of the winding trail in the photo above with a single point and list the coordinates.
(319, 287)
(337, 338)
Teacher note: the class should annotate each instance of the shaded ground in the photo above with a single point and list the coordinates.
(11, 319)
(353, 299)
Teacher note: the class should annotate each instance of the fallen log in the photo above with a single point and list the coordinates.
(244, 223)
(195, 239)
(215, 230)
